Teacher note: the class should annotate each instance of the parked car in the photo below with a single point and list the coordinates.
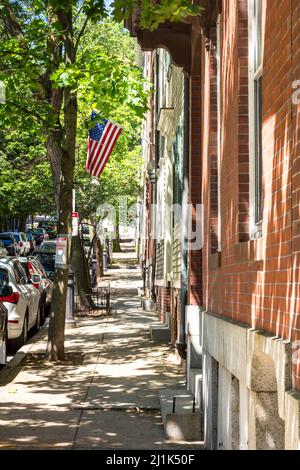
(3, 250)
(32, 241)
(24, 245)
(10, 243)
(32, 267)
(47, 282)
(50, 226)
(45, 253)
(4, 290)
(47, 245)
(22, 302)
(85, 229)
(86, 244)
(39, 234)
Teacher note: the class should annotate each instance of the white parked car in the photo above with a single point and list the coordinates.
(23, 303)
(24, 244)
(4, 290)
(32, 267)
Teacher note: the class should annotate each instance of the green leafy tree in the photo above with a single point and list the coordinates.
(45, 73)
(25, 178)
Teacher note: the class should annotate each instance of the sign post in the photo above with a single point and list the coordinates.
(61, 252)
(75, 224)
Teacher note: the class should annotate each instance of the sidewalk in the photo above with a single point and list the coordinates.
(106, 395)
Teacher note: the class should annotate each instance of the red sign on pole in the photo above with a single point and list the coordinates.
(75, 224)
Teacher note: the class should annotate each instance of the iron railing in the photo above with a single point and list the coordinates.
(99, 299)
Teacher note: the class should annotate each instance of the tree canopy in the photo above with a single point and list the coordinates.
(57, 65)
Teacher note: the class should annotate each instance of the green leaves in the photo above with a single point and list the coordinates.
(25, 176)
(94, 9)
(66, 76)
(153, 13)
(104, 76)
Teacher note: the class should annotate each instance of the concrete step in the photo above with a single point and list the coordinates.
(179, 420)
(148, 305)
(160, 332)
(195, 384)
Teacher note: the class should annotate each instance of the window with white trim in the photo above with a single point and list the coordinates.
(219, 106)
(255, 116)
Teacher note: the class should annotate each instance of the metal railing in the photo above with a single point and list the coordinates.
(98, 300)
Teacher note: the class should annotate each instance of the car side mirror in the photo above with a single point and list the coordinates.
(6, 291)
(36, 279)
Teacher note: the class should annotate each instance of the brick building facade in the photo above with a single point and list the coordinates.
(242, 313)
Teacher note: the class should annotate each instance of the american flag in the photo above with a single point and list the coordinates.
(101, 142)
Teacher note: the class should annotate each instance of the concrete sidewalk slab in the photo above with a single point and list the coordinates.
(110, 400)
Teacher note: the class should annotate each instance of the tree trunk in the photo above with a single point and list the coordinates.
(22, 223)
(99, 258)
(116, 241)
(56, 332)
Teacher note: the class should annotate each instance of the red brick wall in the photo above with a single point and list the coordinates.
(243, 122)
(213, 141)
(258, 281)
(168, 305)
(195, 258)
(163, 302)
(294, 291)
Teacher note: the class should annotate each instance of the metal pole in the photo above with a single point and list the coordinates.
(70, 321)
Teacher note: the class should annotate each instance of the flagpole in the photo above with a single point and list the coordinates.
(130, 132)
(133, 133)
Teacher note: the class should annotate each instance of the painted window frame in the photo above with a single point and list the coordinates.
(255, 45)
(219, 111)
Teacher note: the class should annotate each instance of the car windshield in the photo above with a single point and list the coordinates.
(3, 276)
(48, 246)
(25, 267)
(47, 260)
(37, 231)
(5, 237)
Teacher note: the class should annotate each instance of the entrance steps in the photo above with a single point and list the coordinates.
(182, 418)
(195, 379)
(160, 332)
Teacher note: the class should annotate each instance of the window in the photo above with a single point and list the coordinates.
(3, 277)
(214, 151)
(177, 171)
(255, 116)
(20, 274)
(219, 107)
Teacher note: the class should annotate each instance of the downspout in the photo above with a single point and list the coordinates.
(181, 345)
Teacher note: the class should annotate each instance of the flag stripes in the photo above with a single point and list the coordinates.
(101, 142)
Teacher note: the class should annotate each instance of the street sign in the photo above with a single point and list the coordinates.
(75, 224)
(61, 252)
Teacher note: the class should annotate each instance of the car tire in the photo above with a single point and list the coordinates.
(43, 311)
(37, 324)
(17, 343)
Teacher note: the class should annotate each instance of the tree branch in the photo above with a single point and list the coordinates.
(30, 112)
(81, 33)
(10, 21)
